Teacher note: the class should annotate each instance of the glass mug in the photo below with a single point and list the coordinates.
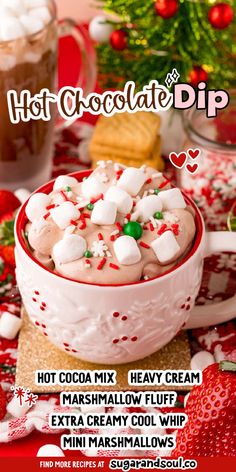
(30, 63)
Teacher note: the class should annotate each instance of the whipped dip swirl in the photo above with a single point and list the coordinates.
(120, 225)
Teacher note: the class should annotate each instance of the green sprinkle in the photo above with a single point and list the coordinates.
(90, 206)
(88, 254)
(158, 215)
(156, 191)
(68, 189)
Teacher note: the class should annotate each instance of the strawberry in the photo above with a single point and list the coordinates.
(211, 410)
(3, 403)
(8, 202)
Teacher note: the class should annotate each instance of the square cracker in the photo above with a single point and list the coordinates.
(130, 134)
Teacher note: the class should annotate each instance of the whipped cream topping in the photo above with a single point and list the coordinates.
(20, 18)
(120, 225)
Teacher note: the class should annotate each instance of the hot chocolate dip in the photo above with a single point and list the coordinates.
(120, 225)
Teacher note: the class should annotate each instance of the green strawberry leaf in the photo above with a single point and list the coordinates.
(7, 233)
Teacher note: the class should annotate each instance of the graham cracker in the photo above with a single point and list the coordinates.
(125, 134)
(153, 160)
(35, 352)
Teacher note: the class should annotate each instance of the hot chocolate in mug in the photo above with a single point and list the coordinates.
(29, 61)
(110, 324)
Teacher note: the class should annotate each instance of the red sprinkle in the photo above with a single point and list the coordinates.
(112, 238)
(100, 237)
(119, 174)
(37, 323)
(64, 195)
(124, 318)
(134, 338)
(73, 222)
(44, 304)
(128, 216)
(143, 244)
(87, 261)
(119, 227)
(164, 184)
(115, 341)
(34, 300)
(50, 207)
(114, 266)
(124, 338)
(162, 229)
(86, 215)
(101, 263)
(46, 216)
(151, 227)
(99, 197)
(145, 227)
(175, 229)
(116, 314)
(66, 344)
(83, 226)
(148, 181)
(36, 292)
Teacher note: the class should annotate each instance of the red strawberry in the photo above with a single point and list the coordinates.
(8, 202)
(3, 403)
(8, 254)
(211, 410)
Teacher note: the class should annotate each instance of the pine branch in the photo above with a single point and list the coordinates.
(156, 46)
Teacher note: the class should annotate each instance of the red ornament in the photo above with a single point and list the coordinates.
(197, 74)
(166, 8)
(221, 15)
(118, 40)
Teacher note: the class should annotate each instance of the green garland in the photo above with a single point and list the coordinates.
(156, 46)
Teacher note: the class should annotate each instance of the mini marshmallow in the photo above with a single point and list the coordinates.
(22, 194)
(92, 187)
(64, 181)
(201, 360)
(41, 13)
(15, 409)
(132, 180)
(9, 325)
(17, 7)
(36, 206)
(31, 25)
(172, 199)
(50, 450)
(121, 198)
(64, 213)
(148, 206)
(126, 250)
(165, 247)
(11, 28)
(69, 249)
(5, 12)
(104, 213)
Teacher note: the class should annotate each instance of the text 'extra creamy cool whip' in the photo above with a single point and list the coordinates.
(120, 225)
